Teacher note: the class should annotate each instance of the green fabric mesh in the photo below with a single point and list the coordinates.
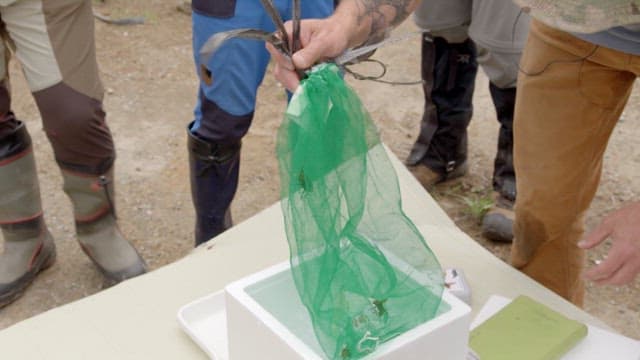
(361, 267)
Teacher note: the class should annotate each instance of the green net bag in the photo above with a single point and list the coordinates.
(360, 266)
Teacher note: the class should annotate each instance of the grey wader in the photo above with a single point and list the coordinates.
(28, 246)
(100, 238)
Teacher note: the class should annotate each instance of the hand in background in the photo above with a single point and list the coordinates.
(622, 263)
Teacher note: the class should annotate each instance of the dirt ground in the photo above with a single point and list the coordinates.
(150, 86)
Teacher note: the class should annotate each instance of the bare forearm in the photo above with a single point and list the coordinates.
(354, 23)
(370, 20)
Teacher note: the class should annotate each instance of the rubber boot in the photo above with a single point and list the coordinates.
(448, 72)
(214, 181)
(28, 245)
(96, 227)
(497, 224)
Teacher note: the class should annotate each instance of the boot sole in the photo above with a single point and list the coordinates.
(112, 278)
(27, 279)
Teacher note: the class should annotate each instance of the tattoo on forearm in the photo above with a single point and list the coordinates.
(380, 25)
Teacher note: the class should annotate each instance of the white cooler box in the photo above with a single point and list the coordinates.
(267, 320)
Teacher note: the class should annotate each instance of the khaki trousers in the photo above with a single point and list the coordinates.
(54, 42)
(570, 96)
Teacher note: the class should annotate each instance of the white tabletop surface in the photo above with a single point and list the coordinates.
(137, 319)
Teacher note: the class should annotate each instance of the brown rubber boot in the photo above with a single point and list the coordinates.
(497, 223)
(28, 246)
(428, 177)
(98, 233)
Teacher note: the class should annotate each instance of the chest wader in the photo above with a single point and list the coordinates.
(214, 180)
(28, 245)
(448, 71)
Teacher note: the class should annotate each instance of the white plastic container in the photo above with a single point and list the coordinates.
(285, 332)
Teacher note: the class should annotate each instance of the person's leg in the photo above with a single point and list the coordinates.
(225, 105)
(497, 222)
(224, 110)
(499, 30)
(55, 45)
(570, 95)
(28, 245)
(448, 70)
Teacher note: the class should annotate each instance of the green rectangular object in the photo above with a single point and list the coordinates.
(526, 330)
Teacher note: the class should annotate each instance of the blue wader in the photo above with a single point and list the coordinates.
(225, 107)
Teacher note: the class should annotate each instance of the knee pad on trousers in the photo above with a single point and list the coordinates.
(75, 125)
(216, 125)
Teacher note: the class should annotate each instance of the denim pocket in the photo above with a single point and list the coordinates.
(215, 8)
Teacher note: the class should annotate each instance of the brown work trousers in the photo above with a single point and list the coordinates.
(54, 42)
(570, 96)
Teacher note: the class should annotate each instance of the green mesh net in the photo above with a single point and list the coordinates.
(361, 267)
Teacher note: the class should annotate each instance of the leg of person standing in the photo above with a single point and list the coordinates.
(499, 30)
(28, 245)
(448, 69)
(465, 34)
(226, 102)
(53, 40)
(570, 96)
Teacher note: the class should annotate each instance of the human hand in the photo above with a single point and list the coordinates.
(321, 39)
(622, 263)
(353, 23)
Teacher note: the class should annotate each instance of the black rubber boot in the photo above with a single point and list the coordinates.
(214, 181)
(28, 245)
(504, 176)
(448, 73)
(497, 224)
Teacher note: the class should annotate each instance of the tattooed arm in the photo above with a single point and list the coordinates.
(354, 22)
(374, 19)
